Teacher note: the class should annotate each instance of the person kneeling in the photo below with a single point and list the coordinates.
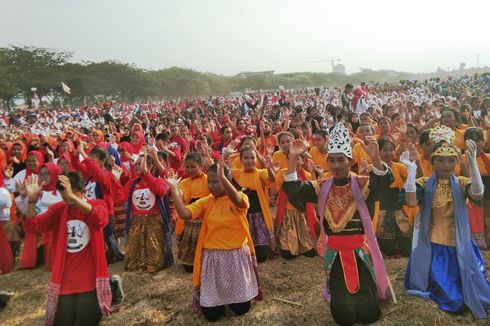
(227, 273)
(79, 291)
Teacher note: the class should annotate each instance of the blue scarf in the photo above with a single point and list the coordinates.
(475, 289)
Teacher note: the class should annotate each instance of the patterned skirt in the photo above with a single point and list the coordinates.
(120, 220)
(12, 231)
(294, 234)
(188, 242)
(145, 250)
(227, 276)
(258, 229)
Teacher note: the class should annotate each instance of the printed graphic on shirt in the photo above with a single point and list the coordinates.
(90, 190)
(143, 199)
(78, 236)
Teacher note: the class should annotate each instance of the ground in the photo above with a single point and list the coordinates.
(165, 297)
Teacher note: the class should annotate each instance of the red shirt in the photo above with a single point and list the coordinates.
(105, 179)
(79, 265)
(144, 196)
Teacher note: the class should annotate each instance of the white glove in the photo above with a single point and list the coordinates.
(412, 171)
(477, 188)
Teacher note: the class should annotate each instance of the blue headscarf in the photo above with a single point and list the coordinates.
(114, 153)
(476, 293)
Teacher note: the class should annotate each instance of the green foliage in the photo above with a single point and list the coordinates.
(24, 67)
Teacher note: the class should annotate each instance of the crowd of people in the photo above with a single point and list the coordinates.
(354, 175)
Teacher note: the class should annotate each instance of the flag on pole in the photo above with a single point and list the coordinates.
(66, 89)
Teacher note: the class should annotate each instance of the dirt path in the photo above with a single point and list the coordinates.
(164, 298)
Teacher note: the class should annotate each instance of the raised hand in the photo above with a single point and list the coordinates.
(117, 171)
(33, 187)
(414, 156)
(65, 183)
(405, 160)
(486, 120)
(20, 187)
(364, 167)
(221, 170)
(371, 148)
(298, 147)
(172, 179)
(402, 128)
(471, 149)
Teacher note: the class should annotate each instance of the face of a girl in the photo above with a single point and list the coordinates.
(95, 137)
(64, 165)
(448, 119)
(138, 165)
(384, 125)
(17, 150)
(354, 118)
(386, 153)
(365, 119)
(249, 160)
(277, 126)
(65, 147)
(365, 131)
(391, 110)
(444, 165)
(135, 139)
(228, 134)
(31, 162)
(184, 131)
(397, 121)
(214, 185)
(320, 142)
(44, 175)
(192, 169)
(412, 134)
(285, 143)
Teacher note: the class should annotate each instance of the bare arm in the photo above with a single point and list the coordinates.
(173, 183)
(230, 190)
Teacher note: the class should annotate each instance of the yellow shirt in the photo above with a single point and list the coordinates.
(224, 230)
(194, 188)
(358, 153)
(319, 158)
(280, 157)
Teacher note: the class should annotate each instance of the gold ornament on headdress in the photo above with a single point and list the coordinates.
(441, 133)
(445, 150)
(446, 135)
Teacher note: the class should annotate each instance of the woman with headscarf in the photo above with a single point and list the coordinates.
(137, 142)
(33, 163)
(33, 250)
(17, 155)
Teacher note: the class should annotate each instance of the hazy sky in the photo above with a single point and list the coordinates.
(229, 36)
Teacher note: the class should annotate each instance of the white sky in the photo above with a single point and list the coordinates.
(229, 36)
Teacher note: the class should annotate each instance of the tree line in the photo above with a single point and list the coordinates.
(22, 68)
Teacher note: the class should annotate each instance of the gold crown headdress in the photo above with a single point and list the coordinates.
(446, 135)
(445, 150)
(441, 133)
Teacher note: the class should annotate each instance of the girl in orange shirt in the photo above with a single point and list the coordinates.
(192, 189)
(225, 270)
